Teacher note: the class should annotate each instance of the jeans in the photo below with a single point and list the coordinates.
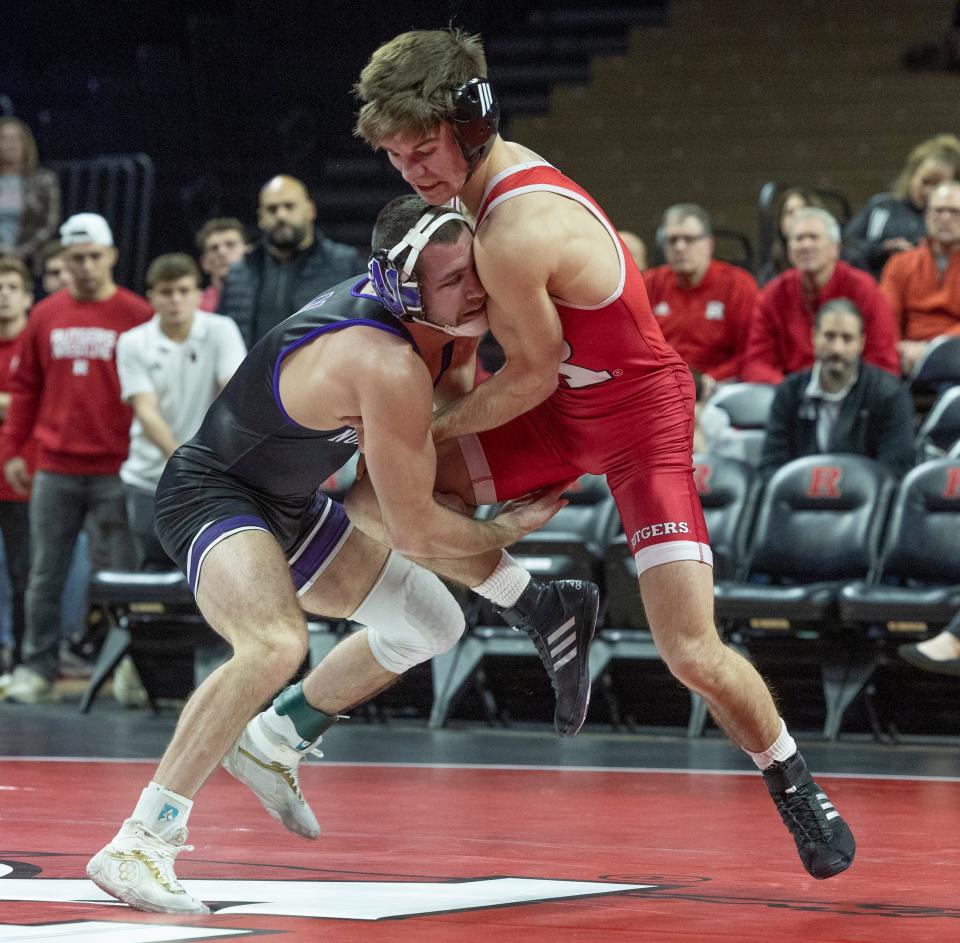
(143, 529)
(58, 506)
(15, 527)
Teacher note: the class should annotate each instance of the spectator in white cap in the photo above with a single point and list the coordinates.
(65, 394)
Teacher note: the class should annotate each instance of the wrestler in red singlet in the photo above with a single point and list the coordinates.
(623, 407)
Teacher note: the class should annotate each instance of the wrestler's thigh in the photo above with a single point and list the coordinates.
(661, 513)
(348, 577)
(244, 589)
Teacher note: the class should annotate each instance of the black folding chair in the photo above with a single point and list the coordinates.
(818, 527)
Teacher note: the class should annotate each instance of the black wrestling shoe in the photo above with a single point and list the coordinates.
(824, 841)
(560, 618)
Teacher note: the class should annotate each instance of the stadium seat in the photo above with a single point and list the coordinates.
(743, 409)
(940, 430)
(939, 364)
(148, 611)
(155, 613)
(569, 546)
(915, 588)
(818, 527)
(916, 585)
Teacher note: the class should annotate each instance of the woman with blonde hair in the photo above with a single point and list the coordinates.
(29, 194)
(892, 222)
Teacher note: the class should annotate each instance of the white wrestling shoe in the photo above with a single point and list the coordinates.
(273, 776)
(137, 868)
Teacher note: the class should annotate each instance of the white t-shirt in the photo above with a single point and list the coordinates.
(185, 377)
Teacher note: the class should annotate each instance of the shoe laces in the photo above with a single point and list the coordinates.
(540, 643)
(158, 855)
(288, 771)
(801, 813)
(314, 749)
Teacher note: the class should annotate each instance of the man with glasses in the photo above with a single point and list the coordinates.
(923, 284)
(704, 306)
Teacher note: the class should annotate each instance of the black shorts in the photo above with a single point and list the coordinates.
(197, 507)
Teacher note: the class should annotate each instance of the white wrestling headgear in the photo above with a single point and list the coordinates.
(396, 285)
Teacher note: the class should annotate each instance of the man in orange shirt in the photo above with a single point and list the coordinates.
(704, 307)
(923, 284)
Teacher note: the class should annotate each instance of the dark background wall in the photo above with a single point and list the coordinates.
(221, 94)
(644, 102)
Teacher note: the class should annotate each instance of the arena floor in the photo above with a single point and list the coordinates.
(471, 833)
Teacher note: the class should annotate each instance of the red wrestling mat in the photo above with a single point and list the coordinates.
(457, 854)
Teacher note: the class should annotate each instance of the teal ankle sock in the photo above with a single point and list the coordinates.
(309, 722)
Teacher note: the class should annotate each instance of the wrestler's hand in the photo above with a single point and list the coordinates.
(531, 512)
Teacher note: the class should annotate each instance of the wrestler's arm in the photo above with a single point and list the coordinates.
(514, 263)
(395, 403)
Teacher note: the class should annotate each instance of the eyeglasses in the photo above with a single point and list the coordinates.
(684, 240)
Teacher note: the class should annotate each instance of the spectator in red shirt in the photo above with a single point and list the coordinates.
(66, 396)
(923, 284)
(791, 200)
(16, 296)
(781, 337)
(220, 242)
(704, 306)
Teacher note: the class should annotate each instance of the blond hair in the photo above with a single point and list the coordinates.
(407, 86)
(30, 154)
(943, 148)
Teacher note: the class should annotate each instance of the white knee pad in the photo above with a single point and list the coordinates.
(410, 616)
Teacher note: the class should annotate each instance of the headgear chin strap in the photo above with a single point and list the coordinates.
(475, 119)
(396, 285)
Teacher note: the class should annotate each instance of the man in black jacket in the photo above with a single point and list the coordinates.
(841, 404)
(293, 262)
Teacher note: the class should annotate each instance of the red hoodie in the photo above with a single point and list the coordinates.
(66, 391)
(781, 336)
(9, 359)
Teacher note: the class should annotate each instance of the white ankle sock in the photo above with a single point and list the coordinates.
(505, 584)
(781, 749)
(163, 812)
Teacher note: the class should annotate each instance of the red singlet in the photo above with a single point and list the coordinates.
(623, 407)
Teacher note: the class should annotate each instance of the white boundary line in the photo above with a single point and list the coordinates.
(893, 777)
